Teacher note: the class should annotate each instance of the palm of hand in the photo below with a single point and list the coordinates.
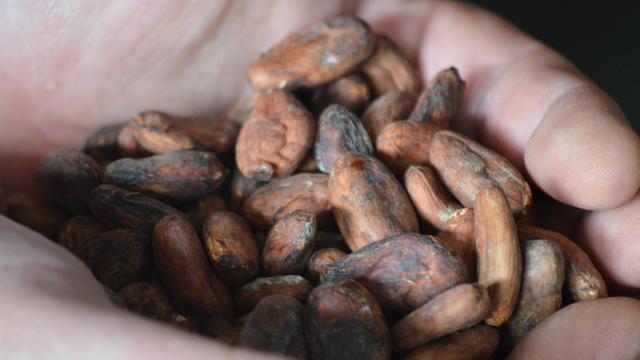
(82, 65)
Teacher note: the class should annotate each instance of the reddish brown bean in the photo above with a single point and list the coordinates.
(78, 230)
(320, 260)
(102, 146)
(248, 296)
(389, 69)
(402, 144)
(240, 189)
(351, 91)
(387, 108)
(441, 103)
(289, 244)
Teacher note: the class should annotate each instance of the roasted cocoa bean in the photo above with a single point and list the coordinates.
(351, 92)
(275, 326)
(36, 214)
(387, 108)
(368, 202)
(102, 145)
(339, 132)
(476, 343)
(117, 207)
(441, 103)
(317, 54)
(289, 244)
(275, 139)
(466, 166)
(203, 208)
(240, 189)
(175, 177)
(231, 247)
(278, 198)
(458, 236)
(320, 260)
(116, 257)
(402, 144)
(185, 272)
(67, 177)
(389, 69)
(78, 230)
(128, 146)
(344, 321)
(402, 271)
(248, 296)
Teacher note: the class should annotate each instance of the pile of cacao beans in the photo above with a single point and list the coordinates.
(330, 214)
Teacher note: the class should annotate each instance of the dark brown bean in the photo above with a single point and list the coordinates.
(275, 326)
(221, 329)
(389, 69)
(441, 103)
(387, 108)
(240, 189)
(320, 260)
(289, 244)
(344, 321)
(199, 212)
(317, 54)
(351, 91)
(339, 132)
(476, 343)
(67, 177)
(116, 257)
(231, 247)
(402, 271)
(368, 202)
(176, 177)
(117, 207)
(185, 272)
(278, 198)
(128, 146)
(78, 230)
(252, 293)
(36, 214)
(102, 146)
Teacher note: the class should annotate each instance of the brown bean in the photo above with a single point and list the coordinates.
(541, 291)
(66, 177)
(117, 207)
(389, 69)
(351, 91)
(275, 326)
(441, 103)
(199, 212)
(320, 260)
(102, 145)
(231, 247)
(248, 296)
(182, 265)
(402, 144)
(456, 309)
(240, 110)
(289, 244)
(499, 256)
(466, 166)
(387, 108)
(175, 177)
(402, 271)
(432, 200)
(458, 236)
(317, 54)
(278, 198)
(368, 202)
(78, 230)
(116, 257)
(128, 146)
(275, 139)
(36, 214)
(221, 329)
(476, 343)
(240, 189)
(325, 239)
(583, 279)
(339, 132)
(149, 300)
(344, 321)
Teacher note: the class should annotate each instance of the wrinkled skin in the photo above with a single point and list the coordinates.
(79, 65)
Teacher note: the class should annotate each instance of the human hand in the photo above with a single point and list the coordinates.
(79, 65)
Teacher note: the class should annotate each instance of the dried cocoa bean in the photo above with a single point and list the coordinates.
(458, 236)
(499, 256)
(67, 177)
(221, 329)
(441, 103)
(320, 260)
(240, 189)
(389, 69)
(117, 207)
(402, 271)
(185, 272)
(466, 166)
(201, 210)
(102, 146)
(289, 244)
(351, 91)
(344, 321)
(275, 326)
(78, 230)
(175, 177)
(476, 343)
(36, 214)
(326, 239)
(248, 296)
(368, 202)
(317, 54)
(278, 198)
(339, 132)
(128, 146)
(116, 257)
(456, 309)
(231, 247)
(387, 108)
(402, 144)
(275, 139)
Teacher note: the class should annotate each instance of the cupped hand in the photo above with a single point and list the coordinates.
(68, 67)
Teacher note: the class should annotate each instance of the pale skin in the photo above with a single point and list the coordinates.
(68, 67)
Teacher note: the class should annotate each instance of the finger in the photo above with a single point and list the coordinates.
(526, 101)
(599, 329)
(611, 239)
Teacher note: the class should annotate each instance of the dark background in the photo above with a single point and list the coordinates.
(602, 39)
